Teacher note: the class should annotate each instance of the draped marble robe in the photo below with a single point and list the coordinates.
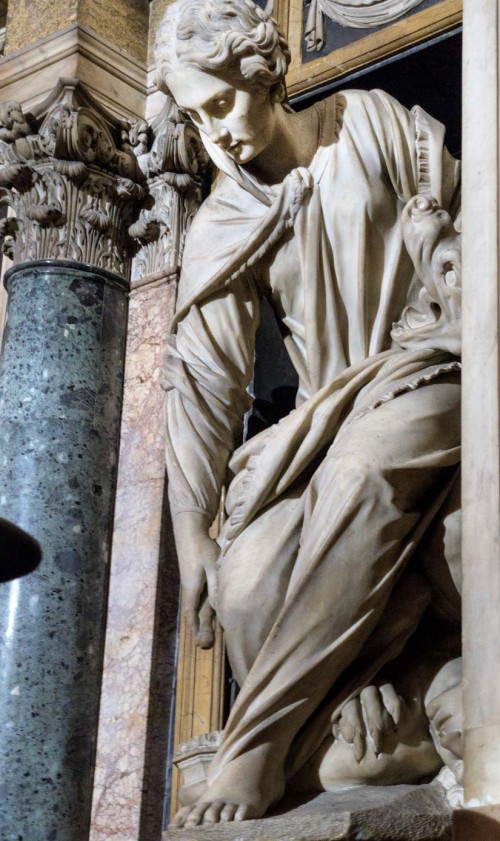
(326, 248)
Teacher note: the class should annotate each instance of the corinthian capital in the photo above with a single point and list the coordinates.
(175, 164)
(72, 186)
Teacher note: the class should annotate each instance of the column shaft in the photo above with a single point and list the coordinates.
(62, 378)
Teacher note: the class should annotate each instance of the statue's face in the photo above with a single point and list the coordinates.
(238, 118)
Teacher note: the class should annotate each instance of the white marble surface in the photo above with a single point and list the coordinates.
(481, 409)
(328, 508)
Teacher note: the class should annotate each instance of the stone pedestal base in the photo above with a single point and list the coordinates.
(364, 813)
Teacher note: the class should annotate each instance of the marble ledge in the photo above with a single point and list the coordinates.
(364, 813)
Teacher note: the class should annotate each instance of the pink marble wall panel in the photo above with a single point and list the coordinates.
(142, 616)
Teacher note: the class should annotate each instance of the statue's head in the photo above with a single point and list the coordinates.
(224, 63)
(233, 37)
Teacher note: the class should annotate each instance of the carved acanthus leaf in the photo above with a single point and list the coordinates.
(76, 170)
(96, 218)
(87, 187)
(74, 190)
(162, 225)
(8, 231)
(175, 163)
(144, 229)
(46, 214)
(127, 187)
(15, 175)
(175, 147)
(13, 123)
(8, 227)
(140, 137)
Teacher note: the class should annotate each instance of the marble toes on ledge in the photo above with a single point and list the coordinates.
(365, 813)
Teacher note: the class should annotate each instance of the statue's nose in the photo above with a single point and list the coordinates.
(220, 135)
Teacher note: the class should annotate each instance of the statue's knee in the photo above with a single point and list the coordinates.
(362, 470)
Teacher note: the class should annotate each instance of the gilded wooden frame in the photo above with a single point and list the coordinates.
(397, 36)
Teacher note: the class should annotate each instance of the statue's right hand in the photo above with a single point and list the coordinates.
(198, 555)
(369, 715)
(200, 595)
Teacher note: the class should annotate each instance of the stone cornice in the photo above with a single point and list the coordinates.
(117, 79)
(126, 67)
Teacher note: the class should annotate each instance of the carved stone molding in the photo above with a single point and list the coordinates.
(193, 759)
(174, 162)
(354, 14)
(87, 187)
(362, 14)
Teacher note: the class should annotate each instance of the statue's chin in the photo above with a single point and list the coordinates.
(242, 154)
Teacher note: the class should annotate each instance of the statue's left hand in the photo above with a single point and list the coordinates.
(371, 714)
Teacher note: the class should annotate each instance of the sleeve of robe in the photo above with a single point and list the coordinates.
(412, 143)
(208, 370)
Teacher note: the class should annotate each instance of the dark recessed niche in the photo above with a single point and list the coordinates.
(429, 75)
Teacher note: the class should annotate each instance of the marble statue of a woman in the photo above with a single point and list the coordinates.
(317, 576)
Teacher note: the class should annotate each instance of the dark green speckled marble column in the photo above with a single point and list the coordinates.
(61, 381)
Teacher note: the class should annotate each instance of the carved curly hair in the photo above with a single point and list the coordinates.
(217, 35)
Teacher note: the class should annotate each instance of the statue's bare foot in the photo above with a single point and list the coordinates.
(243, 791)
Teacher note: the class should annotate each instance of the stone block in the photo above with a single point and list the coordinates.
(359, 813)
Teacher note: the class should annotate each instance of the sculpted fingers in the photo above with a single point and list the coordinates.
(205, 637)
(373, 714)
(393, 702)
(352, 727)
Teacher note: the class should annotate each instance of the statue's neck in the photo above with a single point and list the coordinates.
(294, 143)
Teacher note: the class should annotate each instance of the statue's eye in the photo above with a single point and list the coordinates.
(221, 106)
